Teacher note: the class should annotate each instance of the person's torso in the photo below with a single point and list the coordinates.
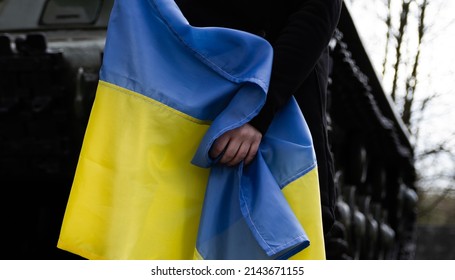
(261, 17)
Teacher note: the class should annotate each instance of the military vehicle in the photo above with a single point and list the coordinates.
(50, 54)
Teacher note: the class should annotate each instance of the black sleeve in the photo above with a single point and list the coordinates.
(297, 49)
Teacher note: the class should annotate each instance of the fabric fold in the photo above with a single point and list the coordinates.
(145, 187)
(250, 216)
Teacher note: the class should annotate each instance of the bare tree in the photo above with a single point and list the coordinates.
(411, 80)
(399, 36)
(405, 21)
(388, 22)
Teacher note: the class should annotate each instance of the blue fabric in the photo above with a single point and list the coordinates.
(165, 46)
(218, 75)
(245, 214)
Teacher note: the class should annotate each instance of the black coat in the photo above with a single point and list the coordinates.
(299, 32)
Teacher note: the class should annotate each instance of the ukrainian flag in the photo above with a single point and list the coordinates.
(145, 187)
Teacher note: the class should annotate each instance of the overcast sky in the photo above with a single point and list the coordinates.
(438, 52)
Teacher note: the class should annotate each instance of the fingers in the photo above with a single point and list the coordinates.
(236, 145)
(252, 152)
(235, 153)
(219, 145)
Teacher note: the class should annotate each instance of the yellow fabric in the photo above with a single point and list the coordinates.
(304, 198)
(137, 196)
(126, 201)
(197, 255)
